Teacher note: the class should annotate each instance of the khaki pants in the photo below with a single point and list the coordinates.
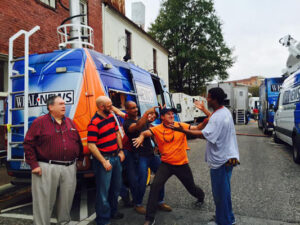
(56, 183)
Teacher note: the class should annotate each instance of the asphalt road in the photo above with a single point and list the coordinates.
(265, 189)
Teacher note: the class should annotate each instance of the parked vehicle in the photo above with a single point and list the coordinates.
(228, 89)
(236, 101)
(268, 96)
(186, 109)
(240, 106)
(253, 104)
(287, 116)
(79, 76)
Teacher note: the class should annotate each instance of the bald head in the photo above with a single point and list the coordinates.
(104, 104)
(102, 100)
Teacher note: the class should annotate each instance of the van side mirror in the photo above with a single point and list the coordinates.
(178, 107)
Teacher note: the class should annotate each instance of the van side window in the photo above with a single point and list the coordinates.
(118, 99)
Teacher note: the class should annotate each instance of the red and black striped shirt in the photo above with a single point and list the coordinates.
(102, 132)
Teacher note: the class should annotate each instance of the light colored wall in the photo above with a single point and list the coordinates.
(114, 27)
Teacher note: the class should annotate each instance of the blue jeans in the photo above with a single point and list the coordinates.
(153, 163)
(108, 184)
(220, 183)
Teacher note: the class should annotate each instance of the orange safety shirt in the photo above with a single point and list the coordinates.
(172, 144)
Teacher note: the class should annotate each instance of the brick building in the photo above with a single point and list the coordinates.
(48, 14)
(254, 81)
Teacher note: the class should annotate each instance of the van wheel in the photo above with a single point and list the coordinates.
(296, 151)
(276, 139)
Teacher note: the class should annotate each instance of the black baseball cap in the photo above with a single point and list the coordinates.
(165, 110)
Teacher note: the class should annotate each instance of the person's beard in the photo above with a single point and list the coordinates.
(106, 112)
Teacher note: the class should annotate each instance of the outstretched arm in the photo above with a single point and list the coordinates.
(137, 142)
(196, 133)
(118, 112)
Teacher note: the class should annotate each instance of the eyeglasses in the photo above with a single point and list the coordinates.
(168, 141)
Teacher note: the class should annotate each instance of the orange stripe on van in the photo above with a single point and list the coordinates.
(91, 89)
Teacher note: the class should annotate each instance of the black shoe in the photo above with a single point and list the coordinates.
(199, 203)
(117, 216)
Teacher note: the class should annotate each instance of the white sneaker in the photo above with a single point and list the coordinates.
(212, 223)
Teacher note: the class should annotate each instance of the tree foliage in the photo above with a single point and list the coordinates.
(191, 31)
(254, 91)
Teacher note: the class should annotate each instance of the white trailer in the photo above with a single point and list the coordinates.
(240, 104)
(236, 101)
(186, 109)
(228, 89)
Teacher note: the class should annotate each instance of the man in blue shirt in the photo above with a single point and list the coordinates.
(221, 153)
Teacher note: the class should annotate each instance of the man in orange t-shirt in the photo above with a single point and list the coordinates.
(172, 146)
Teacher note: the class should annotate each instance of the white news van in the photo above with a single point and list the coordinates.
(287, 116)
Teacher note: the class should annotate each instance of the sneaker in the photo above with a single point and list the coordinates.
(147, 222)
(140, 209)
(117, 216)
(212, 223)
(164, 207)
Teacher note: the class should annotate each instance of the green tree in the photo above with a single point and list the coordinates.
(191, 31)
(254, 91)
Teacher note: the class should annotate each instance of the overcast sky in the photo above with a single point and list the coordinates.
(253, 28)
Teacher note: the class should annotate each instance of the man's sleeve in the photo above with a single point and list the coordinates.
(212, 131)
(92, 136)
(30, 143)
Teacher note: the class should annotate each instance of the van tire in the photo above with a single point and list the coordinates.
(296, 150)
(276, 139)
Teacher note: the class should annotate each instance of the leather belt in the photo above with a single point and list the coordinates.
(113, 153)
(62, 163)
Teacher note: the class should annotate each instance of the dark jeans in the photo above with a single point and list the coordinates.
(165, 171)
(220, 184)
(132, 167)
(108, 184)
(153, 163)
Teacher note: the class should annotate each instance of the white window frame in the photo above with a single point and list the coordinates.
(50, 3)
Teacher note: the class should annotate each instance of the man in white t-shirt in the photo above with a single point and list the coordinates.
(221, 154)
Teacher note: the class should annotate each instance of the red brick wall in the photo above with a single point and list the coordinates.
(25, 14)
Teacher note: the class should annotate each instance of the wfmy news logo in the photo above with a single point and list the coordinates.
(40, 99)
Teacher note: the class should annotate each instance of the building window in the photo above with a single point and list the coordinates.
(2, 76)
(50, 3)
(127, 46)
(154, 61)
(83, 19)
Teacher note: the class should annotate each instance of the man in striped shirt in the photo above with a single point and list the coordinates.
(105, 144)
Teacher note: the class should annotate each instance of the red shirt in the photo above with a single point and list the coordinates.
(48, 140)
(102, 132)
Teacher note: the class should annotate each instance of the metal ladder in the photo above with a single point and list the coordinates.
(13, 74)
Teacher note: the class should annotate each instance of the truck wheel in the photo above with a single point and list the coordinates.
(296, 151)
